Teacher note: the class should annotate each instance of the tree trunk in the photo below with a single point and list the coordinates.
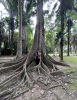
(69, 23)
(9, 35)
(38, 43)
(12, 28)
(24, 38)
(62, 29)
(0, 46)
(19, 43)
(0, 41)
(69, 32)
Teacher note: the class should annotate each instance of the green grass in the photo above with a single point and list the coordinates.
(70, 69)
(64, 54)
(70, 59)
(73, 86)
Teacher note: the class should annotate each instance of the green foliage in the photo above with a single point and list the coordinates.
(49, 41)
(2, 45)
(11, 6)
(49, 34)
(16, 22)
(45, 12)
(74, 17)
(29, 38)
(30, 41)
(46, 0)
(13, 46)
(58, 37)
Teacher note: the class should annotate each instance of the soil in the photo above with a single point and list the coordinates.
(62, 86)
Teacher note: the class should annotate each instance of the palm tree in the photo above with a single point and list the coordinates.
(64, 6)
(26, 14)
(1, 33)
(69, 24)
(8, 4)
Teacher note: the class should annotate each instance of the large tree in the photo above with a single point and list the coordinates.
(22, 68)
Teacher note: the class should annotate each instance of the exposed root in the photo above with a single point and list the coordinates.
(13, 67)
(56, 62)
(57, 73)
(49, 75)
(11, 91)
(46, 68)
(44, 71)
(10, 81)
(16, 88)
(34, 68)
(11, 76)
(22, 92)
(51, 87)
(26, 75)
(47, 62)
(58, 98)
(32, 64)
(15, 61)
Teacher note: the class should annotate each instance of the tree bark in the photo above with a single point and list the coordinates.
(38, 43)
(62, 29)
(19, 44)
(24, 38)
(68, 39)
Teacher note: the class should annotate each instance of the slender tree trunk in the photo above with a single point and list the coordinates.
(0, 47)
(62, 29)
(12, 28)
(19, 44)
(9, 35)
(76, 49)
(24, 39)
(68, 40)
(0, 36)
(69, 23)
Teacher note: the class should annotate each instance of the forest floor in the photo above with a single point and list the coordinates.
(61, 86)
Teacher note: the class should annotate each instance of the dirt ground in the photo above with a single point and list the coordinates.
(61, 86)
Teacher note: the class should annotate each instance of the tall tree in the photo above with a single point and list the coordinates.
(64, 6)
(69, 24)
(1, 32)
(38, 43)
(19, 44)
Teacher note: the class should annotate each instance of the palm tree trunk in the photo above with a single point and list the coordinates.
(24, 38)
(19, 43)
(12, 28)
(68, 40)
(62, 29)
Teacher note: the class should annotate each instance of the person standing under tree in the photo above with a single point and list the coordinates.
(38, 57)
